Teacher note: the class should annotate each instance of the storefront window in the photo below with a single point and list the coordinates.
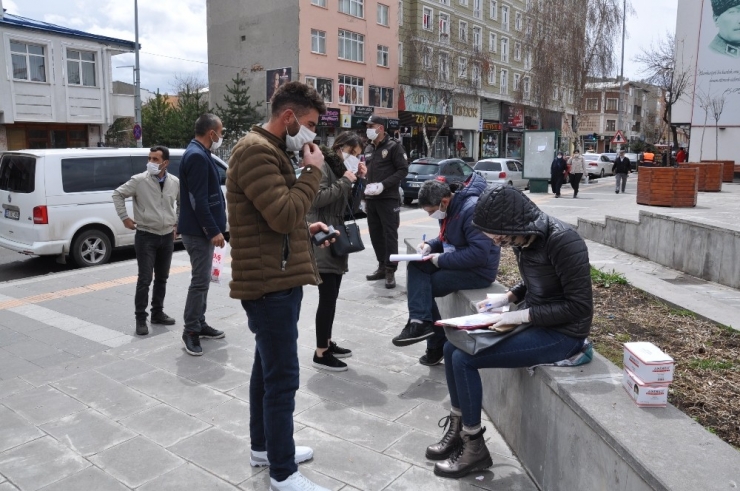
(490, 144)
(514, 145)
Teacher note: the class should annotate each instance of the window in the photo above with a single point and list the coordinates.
(570, 96)
(504, 85)
(427, 57)
(464, 2)
(383, 12)
(528, 5)
(355, 8)
(525, 88)
(318, 42)
(505, 50)
(463, 31)
(462, 68)
(555, 93)
(96, 174)
(529, 26)
(400, 54)
(381, 96)
(611, 125)
(351, 46)
(29, 61)
(445, 2)
(492, 75)
(611, 104)
(444, 27)
(493, 10)
(493, 42)
(518, 51)
(505, 17)
(383, 59)
(351, 90)
(592, 104)
(477, 12)
(517, 80)
(81, 68)
(518, 21)
(444, 67)
(475, 74)
(478, 38)
(400, 12)
(319, 3)
(18, 173)
(528, 59)
(426, 19)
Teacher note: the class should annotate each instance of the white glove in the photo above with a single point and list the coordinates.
(493, 301)
(363, 206)
(373, 189)
(435, 259)
(513, 318)
(424, 249)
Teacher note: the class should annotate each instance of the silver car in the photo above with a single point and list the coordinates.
(599, 165)
(502, 171)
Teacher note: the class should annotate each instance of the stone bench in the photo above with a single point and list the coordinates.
(576, 429)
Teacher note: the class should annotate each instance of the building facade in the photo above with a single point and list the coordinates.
(57, 92)
(347, 49)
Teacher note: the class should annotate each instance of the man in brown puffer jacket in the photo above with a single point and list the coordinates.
(272, 259)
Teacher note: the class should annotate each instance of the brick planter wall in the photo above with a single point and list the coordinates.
(710, 174)
(668, 186)
(728, 171)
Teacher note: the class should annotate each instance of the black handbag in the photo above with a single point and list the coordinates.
(349, 239)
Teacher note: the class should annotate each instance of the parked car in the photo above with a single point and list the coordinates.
(502, 171)
(59, 202)
(425, 169)
(633, 160)
(599, 165)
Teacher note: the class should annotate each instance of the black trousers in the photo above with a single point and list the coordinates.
(328, 294)
(556, 181)
(154, 256)
(575, 182)
(383, 218)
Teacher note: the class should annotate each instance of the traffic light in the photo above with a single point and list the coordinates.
(595, 136)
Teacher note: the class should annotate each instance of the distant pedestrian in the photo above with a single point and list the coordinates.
(387, 164)
(681, 156)
(557, 173)
(577, 168)
(202, 225)
(622, 168)
(156, 199)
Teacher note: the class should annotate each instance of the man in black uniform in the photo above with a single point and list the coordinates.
(387, 164)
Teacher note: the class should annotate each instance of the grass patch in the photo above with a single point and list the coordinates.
(605, 279)
(683, 313)
(709, 364)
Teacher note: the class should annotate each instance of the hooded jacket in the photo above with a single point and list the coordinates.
(555, 270)
(473, 250)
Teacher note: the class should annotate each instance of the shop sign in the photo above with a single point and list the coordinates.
(393, 124)
(348, 121)
(330, 118)
(422, 100)
(464, 111)
(515, 117)
(363, 111)
(487, 126)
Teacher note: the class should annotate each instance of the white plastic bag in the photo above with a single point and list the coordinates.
(218, 259)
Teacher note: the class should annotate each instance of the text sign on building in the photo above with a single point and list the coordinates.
(490, 126)
(363, 111)
(330, 118)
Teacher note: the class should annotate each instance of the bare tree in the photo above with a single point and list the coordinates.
(705, 103)
(659, 66)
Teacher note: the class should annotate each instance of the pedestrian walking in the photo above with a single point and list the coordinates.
(577, 168)
(339, 185)
(387, 164)
(271, 261)
(557, 170)
(202, 225)
(156, 199)
(681, 155)
(459, 258)
(622, 168)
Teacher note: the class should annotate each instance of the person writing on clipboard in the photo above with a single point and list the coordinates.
(460, 258)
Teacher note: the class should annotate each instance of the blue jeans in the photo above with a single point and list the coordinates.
(153, 255)
(200, 250)
(274, 321)
(533, 346)
(425, 281)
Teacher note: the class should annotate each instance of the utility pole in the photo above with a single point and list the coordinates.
(137, 77)
(621, 77)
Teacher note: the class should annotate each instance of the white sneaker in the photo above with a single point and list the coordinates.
(296, 482)
(259, 459)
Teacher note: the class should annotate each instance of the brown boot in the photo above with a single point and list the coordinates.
(469, 457)
(390, 279)
(450, 440)
(378, 274)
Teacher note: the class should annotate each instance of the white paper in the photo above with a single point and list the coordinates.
(542, 148)
(408, 257)
(483, 319)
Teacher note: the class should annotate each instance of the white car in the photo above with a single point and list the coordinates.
(59, 202)
(502, 171)
(599, 165)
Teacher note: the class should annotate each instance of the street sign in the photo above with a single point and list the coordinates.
(619, 138)
(137, 131)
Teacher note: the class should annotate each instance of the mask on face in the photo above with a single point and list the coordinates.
(153, 168)
(216, 144)
(351, 162)
(295, 142)
(439, 214)
(372, 133)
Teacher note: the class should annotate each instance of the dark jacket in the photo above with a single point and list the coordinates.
(473, 250)
(387, 164)
(558, 166)
(203, 207)
(555, 270)
(622, 165)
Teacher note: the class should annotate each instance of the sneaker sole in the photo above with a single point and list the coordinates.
(344, 355)
(220, 336)
(266, 463)
(410, 341)
(328, 369)
(428, 364)
(480, 466)
(163, 323)
(191, 352)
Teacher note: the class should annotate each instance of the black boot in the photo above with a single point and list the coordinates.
(390, 279)
(450, 440)
(162, 318)
(141, 327)
(469, 457)
(378, 274)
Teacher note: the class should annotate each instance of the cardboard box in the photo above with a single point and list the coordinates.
(644, 395)
(648, 363)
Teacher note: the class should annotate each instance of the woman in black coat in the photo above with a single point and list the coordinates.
(557, 171)
(554, 298)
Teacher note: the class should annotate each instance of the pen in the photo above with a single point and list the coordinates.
(424, 237)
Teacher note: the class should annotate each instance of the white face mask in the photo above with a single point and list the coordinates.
(295, 143)
(216, 144)
(372, 133)
(153, 168)
(438, 215)
(351, 162)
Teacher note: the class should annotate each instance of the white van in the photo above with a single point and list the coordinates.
(58, 202)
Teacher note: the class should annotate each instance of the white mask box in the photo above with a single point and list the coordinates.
(644, 395)
(648, 362)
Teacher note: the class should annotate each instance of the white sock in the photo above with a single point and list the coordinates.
(417, 321)
(455, 411)
(471, 430)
